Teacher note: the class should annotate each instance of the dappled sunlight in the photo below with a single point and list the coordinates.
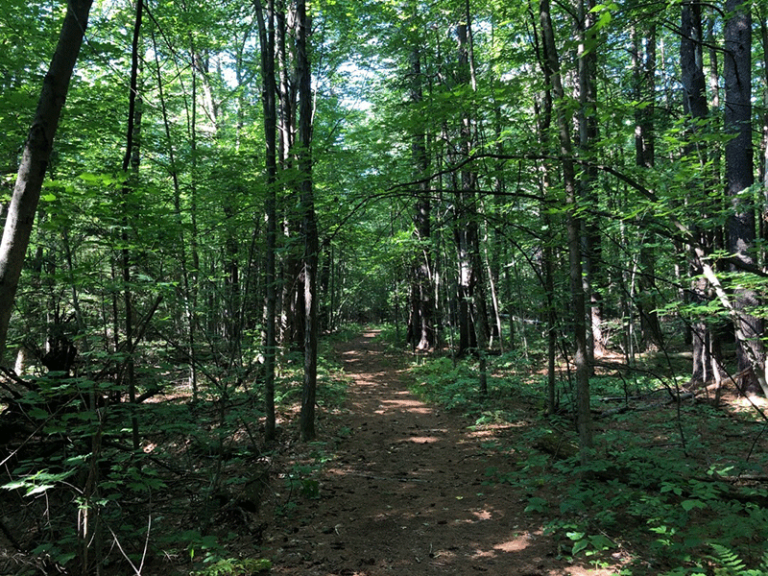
(514, 544)
(407, 491)
(421, 439)
(410, 405)
(750, 402)
(483, 514)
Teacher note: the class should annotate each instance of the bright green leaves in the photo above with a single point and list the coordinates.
(38, 482)
(589, 544)
(604, 13)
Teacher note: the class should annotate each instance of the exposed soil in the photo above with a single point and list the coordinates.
(404, 492)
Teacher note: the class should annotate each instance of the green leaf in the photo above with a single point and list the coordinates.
(689, 505)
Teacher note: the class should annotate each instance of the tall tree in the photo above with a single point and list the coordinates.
(587, 141)
(644, 79)
(544, 109)
(739, 173)
(705, 345)
(552, 62)
(131, 160)
(269, 104)
(473, 318)
(421, 327)
(309, 222)
(37, 152)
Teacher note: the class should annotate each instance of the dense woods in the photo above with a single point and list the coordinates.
(193, 194)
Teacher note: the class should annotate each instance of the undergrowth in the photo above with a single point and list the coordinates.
(668, 490)
(78, 494)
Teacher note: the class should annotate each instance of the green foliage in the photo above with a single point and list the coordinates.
(190, 227)
(589, 544)
(728, 563)
(453, 386)
(670, 502)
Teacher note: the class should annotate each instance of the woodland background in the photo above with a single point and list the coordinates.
(578, 186)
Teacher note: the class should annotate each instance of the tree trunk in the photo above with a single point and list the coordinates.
(131, 161)
(269, 104)
(421, 328)
(739, 173)
(544, 116)
(37, 151)
(583, 412)
(692, 77)
(309, 223)
(644, 64)
(473, 318)
(189, 313)
(594, 278)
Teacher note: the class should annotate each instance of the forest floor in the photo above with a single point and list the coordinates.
(403, 490)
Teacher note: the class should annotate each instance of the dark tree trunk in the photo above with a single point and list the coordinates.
(594, 278)
(583, 412)
(269, 104)
(644, 56)
(421, 328)
(309, 223)
(705, 352)
(20, 215)
(739, 173)
(131, 162)
(473, 320)
(544, 114)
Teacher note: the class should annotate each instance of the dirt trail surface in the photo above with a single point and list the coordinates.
(404, 493)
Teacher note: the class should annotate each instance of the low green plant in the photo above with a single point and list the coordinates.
(454, 387)
(589, 544)
(728, 563)
(301, 480)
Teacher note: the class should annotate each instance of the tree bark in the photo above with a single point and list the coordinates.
(473, 317)
(544, 117)
(644, 65)
(594, 278)
(583, 412)
(739, 173)
(131, 162)
(421, 328)
(705, 350)
(269, 104)
(37, 151)
(309, 223)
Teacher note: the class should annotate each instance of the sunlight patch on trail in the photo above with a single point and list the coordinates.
(422, 439)
(412, 406)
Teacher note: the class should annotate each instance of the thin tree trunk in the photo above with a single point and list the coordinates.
(583, 412)
(588, 133)
(309, 224)
(548, 259)
(131, 161)
(189, 314)
(644, 65)
(269, 94)
(20, 216)
(473, 316)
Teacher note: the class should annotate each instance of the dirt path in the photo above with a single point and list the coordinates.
(405, 495)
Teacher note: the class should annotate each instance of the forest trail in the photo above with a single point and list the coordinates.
(404, 493)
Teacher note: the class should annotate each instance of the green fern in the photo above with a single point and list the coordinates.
(730, 564)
